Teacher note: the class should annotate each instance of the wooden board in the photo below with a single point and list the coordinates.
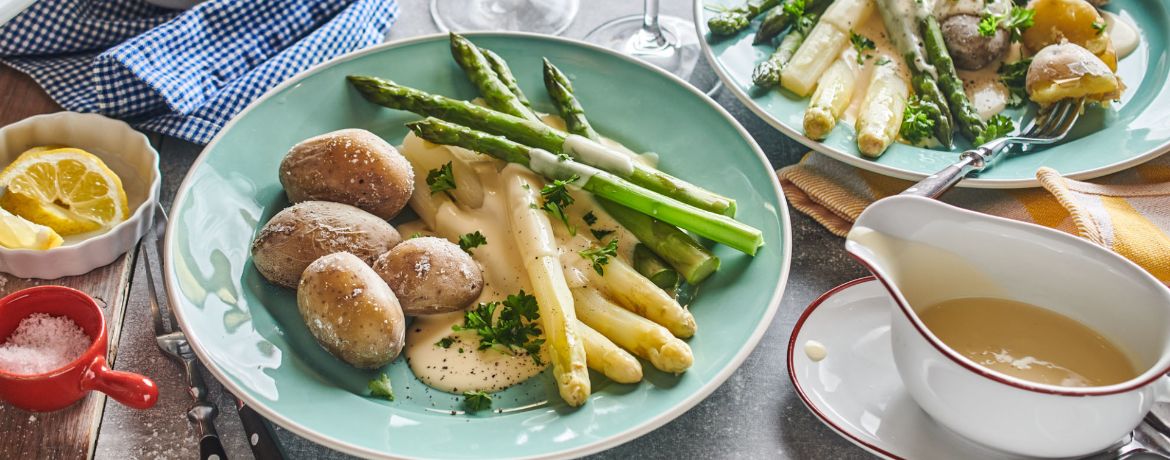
(72, 432)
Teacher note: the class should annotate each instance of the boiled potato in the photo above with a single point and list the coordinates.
(350, 311)
(969, 49)
(430, 275)
(304, 232)
(1072, 20)
(351, 166)
(1068, 71)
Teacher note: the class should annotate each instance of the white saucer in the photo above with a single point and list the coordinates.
(855, 389)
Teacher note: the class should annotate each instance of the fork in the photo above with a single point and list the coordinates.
(1051, 125)
(174, 344)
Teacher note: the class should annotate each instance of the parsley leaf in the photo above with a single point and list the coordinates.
(800, 20)
(883, 61)
(1014, 21)
(381, 387)
(1013, 76)
(861, 44)
(600, 256)
(445, 342)
(600, 234)
(794, 9)
(556, 198)
(998, 126)
(589, 218)
(916, 124)
(415, 235)
(1099, 27)
(442, 179)
(471, 240)
(476, 401)
(514, 329)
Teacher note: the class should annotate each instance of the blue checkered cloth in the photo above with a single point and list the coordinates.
(181, 73)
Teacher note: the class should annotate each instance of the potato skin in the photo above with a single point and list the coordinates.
(302, 233)
(1068, 71)
(970, 50)
(351, 166)
(430, 276)
(350, 311)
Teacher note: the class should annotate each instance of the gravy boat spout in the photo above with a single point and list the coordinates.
(926, 252)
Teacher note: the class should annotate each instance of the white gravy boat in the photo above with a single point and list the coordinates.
(925, 252)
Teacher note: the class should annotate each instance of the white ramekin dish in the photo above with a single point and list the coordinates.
(127, 152)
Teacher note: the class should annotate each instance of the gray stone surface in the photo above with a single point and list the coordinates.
(755, 414)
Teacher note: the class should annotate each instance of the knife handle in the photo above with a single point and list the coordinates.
(260, 439)
(211, 449)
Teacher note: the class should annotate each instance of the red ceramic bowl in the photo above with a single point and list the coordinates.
(61, 387)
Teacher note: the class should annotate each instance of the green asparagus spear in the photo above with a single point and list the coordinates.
(736, 19)
(923, 82)
(767, 73)
(718, 228)
(560, 89)
(970, 124)
(479, 71)
(693, 261)
(682, 251)
(779, 18)
(500, 67)
(533, 133)
(655, 269)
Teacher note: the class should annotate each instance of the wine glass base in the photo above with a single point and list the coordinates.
(677, 54)
(550, 17)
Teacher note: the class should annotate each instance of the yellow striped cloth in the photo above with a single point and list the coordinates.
(1128, 212)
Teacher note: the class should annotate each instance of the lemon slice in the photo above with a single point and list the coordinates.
(18, 233)
(66, 189)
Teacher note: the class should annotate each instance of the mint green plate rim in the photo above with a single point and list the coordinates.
(649, 421)
(1151, 94)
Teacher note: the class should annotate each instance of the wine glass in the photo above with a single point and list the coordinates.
(669, 42)
(539, 16)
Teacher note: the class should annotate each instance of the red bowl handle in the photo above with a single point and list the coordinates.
(128, 388)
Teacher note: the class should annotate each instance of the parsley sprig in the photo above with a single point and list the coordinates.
(917, 126)
(441, 179)
(1013, 76)
(861, 43)
(476, 401)
(600, 256)
(556, 199)
(514, 329)
(380, 387)
(998, 126)
(468, 241)
(1014, 21)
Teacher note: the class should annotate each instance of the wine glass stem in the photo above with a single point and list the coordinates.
(652, 36)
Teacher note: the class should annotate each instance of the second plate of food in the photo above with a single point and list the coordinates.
(317, 351)
(853, 46)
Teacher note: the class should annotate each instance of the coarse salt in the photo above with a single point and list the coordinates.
(42, 343)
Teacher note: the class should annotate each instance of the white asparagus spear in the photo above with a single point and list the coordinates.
(830, 100)
(633, 291)
(824, 44)
(632, 332)
(534, 237)
(604, 356)
(881, 112)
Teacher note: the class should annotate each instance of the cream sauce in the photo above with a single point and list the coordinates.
(946, 8)
(462, 366)
(1125, 35)
(884, 51)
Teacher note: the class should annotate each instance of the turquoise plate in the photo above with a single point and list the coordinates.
(1104, 140)
(249, 333)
